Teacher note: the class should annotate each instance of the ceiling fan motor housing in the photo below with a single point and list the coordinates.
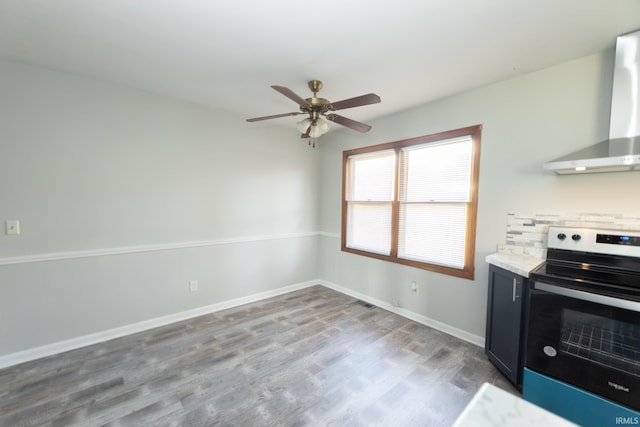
(316, 106)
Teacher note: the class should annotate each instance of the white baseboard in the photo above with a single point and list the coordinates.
(443, 327)
(86, 340)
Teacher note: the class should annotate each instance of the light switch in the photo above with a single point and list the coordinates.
(12, 226)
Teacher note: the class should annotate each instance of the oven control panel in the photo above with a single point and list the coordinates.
(605, 241)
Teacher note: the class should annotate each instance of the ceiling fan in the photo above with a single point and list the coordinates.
(317, 108)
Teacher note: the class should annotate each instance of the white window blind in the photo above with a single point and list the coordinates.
(435, 181)
(369, 196)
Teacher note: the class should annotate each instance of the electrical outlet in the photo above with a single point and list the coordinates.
(193, 286)
(12, 226)
(415, 288)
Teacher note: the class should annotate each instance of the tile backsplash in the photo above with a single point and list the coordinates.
(527, 232)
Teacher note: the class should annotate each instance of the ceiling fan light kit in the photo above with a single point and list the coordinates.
(315, 129)
(319, 111)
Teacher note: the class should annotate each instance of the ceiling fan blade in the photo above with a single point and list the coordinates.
(352, 124)
(367, 99)
(291, 95)
(275, 116)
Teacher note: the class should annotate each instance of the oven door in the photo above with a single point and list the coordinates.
(589, 340)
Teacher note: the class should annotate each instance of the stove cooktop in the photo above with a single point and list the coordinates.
(603, 261)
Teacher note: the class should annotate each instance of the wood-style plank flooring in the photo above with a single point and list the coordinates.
(313, 357)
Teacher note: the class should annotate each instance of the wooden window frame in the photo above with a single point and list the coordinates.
(467, 272)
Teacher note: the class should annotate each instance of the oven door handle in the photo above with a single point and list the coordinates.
(588, 296)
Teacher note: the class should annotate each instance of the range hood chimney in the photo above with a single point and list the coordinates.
(621, 152)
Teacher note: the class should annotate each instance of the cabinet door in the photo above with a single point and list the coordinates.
(504, 314)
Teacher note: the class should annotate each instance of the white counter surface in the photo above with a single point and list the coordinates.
(494, 407)
(519, 264)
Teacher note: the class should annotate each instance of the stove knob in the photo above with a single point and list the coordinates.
(562, 236)
(576, 237)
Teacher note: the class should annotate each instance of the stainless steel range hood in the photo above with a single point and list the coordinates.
(621, 152)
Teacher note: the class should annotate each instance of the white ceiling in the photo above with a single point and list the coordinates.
(226, 54)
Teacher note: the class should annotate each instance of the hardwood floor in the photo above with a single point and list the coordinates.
(312, 357)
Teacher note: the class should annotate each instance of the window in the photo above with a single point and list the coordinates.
(414, 201)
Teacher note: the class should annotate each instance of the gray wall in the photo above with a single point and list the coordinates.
(162, 192)
(124, 197)
(526, 120)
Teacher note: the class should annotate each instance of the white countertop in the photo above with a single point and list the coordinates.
(519, 264)
(494, 407)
